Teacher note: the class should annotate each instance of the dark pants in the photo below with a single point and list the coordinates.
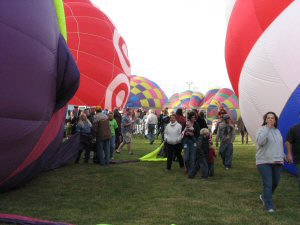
(85, 145)
(211, 169)
(298, 170)
(174, 150)
(196, 164)
(103, 151)
(270, 174)
(151, 130)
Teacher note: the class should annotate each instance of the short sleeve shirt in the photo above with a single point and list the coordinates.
(293, 137)
(126, 120)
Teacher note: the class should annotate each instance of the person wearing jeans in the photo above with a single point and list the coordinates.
(269, 158)
(226, 135)
(103, 135)
(152, 122)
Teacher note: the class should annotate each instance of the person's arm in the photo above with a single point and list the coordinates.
(289, 150)
(262, 135)
(166, 134)
(218, 136)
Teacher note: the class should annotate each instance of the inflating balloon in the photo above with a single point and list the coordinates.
(145, 93)
(101, 55)
(262, 57)
(38, 77)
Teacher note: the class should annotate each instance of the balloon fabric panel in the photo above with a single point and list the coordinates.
(252, 16)
(39, 76)
(101, 55)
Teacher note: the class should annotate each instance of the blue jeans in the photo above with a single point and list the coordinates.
(198, 161)
(151, 129)
(103, 146)
(112, 144)
(189, 146)
(270, 174)
(226, 151)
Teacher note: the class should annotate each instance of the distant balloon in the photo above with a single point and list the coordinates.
(263, 65)
(101, 55)
(196, 100)
(145, 93)
(38, 77)
(173, 101)
(187, 99)
(223, 97)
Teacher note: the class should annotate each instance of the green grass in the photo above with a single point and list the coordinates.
(144, 193)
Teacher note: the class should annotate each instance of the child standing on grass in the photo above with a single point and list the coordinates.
(211, 160)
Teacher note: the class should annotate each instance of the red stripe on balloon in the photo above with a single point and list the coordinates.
(50, 133)
(249, 19)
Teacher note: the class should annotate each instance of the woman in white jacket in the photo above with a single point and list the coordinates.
(269, 157)
(173, 141)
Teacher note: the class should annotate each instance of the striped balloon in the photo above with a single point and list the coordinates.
(222, 97)
(196, 100)
(185, 98)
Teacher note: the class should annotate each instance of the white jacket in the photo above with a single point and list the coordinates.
(173, 133)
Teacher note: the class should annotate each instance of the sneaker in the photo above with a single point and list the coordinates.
(271, 210)
(227, 168)
(262, 200)
(130, 153)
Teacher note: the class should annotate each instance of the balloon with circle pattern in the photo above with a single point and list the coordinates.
(101, 55)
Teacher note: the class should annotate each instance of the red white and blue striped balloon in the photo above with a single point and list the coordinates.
(262, 57)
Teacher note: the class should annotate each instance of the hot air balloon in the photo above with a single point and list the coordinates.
(221, 97)
(38, 77)
(101, 55)
(186, 99)
(196, 100)
(174, 101)
(145, 93)
(263, 65)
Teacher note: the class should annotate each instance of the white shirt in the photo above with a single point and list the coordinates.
(152, 119)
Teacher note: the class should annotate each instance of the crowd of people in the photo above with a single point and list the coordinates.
(106, 133)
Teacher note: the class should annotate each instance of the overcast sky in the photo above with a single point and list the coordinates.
(172, 42)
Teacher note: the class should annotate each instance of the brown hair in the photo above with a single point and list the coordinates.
(265, 118)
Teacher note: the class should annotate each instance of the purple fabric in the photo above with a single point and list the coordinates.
(22, 220)
(38, 76)
(56, 155)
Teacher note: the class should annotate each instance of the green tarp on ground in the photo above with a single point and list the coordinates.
(152, 156)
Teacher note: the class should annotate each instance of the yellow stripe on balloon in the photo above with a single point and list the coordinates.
(158, 93)
(146, 85)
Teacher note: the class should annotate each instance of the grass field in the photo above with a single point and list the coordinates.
(144, 193)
